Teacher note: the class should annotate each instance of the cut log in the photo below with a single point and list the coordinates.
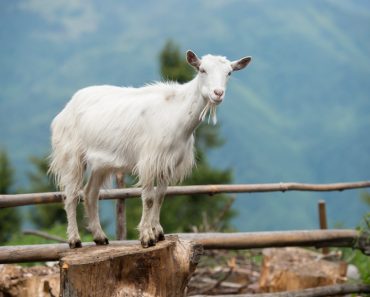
(288, 269)
(162, 271)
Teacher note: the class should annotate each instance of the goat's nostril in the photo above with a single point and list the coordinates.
(218, 92)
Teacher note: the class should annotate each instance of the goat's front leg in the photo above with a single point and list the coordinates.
(147, 236)
(159, 197)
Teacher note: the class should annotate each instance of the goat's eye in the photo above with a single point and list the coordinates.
(229, 73)
(202, 70)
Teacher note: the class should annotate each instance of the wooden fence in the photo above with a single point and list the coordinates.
(240, 240)
(317, 238)
(313, 238)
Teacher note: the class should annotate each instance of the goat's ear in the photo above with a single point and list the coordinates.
(240, 64)
(193, 59)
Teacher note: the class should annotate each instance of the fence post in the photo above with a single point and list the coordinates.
(121, 226)
(323, 221)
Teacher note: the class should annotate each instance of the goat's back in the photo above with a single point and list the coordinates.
(129, 128)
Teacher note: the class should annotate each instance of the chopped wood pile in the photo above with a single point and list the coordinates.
(269, 270)
(226, 272)
(18, 281)
(289, 269)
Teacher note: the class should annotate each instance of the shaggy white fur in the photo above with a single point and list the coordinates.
(147, 131)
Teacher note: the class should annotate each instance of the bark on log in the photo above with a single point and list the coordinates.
(161, 271)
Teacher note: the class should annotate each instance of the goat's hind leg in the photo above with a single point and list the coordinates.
(70, 206)
(91, 193)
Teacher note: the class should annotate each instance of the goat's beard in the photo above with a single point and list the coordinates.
(211, 108)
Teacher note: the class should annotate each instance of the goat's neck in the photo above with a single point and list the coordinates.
(193, 105)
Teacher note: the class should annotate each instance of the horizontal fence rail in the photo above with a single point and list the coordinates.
(323, 291)
(251, 240)
(315, 238)
(55, 197)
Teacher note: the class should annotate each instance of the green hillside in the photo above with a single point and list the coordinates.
(300, 112)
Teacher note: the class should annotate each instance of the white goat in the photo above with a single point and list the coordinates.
(147, 131)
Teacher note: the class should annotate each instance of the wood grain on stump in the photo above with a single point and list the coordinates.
(130, 271)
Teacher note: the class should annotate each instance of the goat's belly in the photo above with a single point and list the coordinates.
(103, 160)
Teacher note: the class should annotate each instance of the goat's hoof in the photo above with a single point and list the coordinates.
(75, 244)
(161, 237)
(149, 243)
(101, 241)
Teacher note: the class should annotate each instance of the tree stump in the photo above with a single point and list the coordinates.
(130, 271)
(287, 269)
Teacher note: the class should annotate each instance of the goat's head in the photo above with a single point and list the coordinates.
(214, 73)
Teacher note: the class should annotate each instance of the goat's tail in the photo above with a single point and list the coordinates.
(67, 164)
